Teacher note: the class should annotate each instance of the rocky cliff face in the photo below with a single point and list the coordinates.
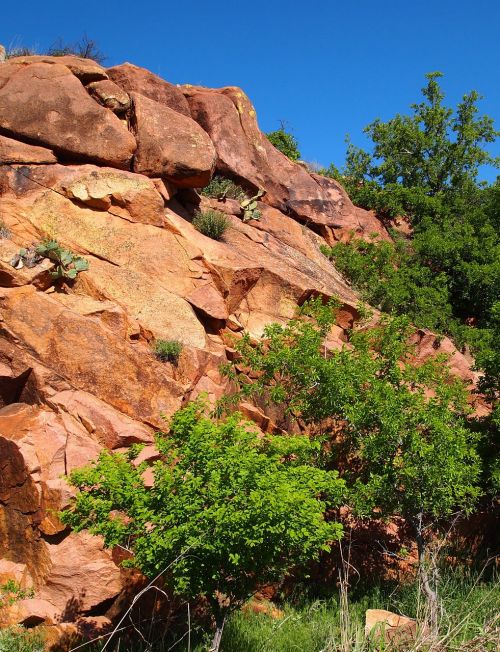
(105, 161)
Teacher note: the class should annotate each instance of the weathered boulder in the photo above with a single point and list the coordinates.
(89, 355)
(13, 151)
(124, 194)
(170, 145)
(134, 79)
(86, 70)
(392, 628)
(46, 104)
(110, 95)
(82, 575)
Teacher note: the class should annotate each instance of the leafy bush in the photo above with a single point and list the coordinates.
(390, 278)
(167, 350)
(211, 223)
(221, 187)
(229, 510)
(398, 431)
(285, 142)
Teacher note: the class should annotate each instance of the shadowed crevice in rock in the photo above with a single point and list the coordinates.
(17, 389)
(56, 538)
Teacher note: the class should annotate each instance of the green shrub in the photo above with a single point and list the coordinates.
(229, 510)
(409, 455)
(221, 188)
(285, 143)
(391, 278)
(167, 350)
(211, 223)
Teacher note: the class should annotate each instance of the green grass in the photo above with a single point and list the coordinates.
(309, 625)
(211, 223)
(18, 639)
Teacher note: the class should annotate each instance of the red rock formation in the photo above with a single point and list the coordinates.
(76, 369)
(46, 104)
(139, 80)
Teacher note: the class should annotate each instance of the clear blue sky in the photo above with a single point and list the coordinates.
(326, 67)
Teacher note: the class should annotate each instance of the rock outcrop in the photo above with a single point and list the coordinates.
(104, 161)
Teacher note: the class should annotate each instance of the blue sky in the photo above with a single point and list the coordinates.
(325, 67)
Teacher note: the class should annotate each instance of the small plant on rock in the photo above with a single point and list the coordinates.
(4, 231)
(167, 350)
(223, 188)
(249, 207)
(67, 264)
(211, 223)
(11, 592)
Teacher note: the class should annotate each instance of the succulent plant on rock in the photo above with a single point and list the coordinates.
(249, 207)
(67, 264)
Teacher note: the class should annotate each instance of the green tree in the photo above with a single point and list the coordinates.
(426, 166)
(228, 511)
(285, 142)
(423, 162)
(397, 431)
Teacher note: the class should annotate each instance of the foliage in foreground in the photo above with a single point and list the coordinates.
(18, 639)
(228, 510)
(211, 223)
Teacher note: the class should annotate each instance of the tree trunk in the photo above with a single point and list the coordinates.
(220, 621)
(427, 575)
